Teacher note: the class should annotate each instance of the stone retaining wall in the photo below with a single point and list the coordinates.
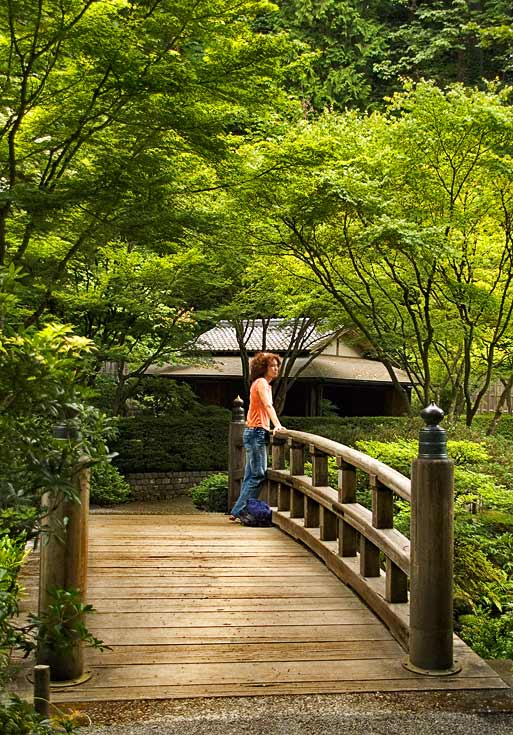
(162, 485)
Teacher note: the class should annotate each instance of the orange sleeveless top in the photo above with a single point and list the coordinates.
(257, 415)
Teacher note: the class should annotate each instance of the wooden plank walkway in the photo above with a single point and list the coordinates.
(194, 606)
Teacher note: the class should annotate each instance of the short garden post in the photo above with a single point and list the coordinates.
(235, 451)
(64, 564)
(431, 597)
(42, 690)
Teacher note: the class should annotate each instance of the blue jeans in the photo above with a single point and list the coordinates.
(255, 444)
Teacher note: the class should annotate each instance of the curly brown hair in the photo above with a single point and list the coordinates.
(260, 363)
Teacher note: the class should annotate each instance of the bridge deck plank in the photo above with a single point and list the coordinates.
(195, 606)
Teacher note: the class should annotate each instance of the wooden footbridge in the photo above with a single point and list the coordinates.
(196, 606)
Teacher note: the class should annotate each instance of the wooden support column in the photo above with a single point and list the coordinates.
(264, 491)
(236, 458)
(42, 690)
(283, 497)
(272, 493)
(63, 564)
(297, 504)
(431, 628)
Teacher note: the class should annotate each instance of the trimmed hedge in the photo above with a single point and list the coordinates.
(199, 440)
(173, 444)
(350, 429)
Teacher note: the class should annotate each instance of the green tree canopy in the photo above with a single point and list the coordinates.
(404, 219)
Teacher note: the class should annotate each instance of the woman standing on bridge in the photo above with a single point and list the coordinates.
(264, 368)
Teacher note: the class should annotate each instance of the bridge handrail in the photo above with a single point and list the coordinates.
(346, 535)
(393, 479)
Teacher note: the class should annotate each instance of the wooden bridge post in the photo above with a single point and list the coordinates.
(63, 564)
(235, 451)
(431, 598)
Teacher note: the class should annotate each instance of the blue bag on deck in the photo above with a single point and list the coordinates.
(256, 513)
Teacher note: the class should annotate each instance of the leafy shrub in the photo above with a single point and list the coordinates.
(108, 486)
(19, 718)
(11, 559)
(472, 487)
(20, 522)
(58, 628)
(212, 493)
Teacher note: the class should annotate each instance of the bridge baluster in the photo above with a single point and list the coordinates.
(328, 525)
(297, 458)
(382, 504)
(396, 584)
(283, 497)
(347, 539)
(346, 481)
(278, 444)
(297, 505)
(369, 558)
(319, 467)
(311, 512)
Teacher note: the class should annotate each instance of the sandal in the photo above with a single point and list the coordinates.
(232, 518)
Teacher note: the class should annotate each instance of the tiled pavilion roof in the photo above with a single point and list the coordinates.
(222, 337)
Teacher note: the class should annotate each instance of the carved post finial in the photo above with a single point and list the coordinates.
(238, 411)
(432, 438)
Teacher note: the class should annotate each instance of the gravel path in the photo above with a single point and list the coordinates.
(464, 713)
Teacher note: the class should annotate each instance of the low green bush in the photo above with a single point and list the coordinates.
(212, 493)
(108, 486)
(348, 430)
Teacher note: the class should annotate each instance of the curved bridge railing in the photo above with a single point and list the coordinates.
(406, 582)
(350, 539)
